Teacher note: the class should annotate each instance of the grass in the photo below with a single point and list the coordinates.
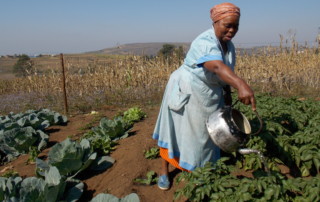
(94, 80)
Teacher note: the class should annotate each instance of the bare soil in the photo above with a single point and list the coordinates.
(129, 155)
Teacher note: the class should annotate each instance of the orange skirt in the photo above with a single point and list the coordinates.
(175, 161)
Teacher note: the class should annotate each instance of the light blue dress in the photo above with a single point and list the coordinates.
(191, 95)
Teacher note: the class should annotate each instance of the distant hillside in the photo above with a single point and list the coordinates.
(151, 49)
(140, 49)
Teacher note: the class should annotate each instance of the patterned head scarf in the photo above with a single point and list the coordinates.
(223, 10)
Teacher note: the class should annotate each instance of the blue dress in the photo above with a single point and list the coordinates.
(191, 95)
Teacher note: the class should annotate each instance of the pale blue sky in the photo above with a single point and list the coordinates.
(76, 26)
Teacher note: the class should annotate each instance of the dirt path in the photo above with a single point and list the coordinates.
(129, 155)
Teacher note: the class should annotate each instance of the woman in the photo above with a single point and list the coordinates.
(194, 91)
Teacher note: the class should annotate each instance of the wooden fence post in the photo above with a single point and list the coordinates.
(66, 110)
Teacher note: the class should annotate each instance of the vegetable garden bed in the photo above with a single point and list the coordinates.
(289, 141)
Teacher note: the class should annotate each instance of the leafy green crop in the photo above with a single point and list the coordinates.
(37, 119)
(100, 142)
(103, 138)
(65, 159)
(152, 153)
(290, 137)
(10, 173)
(133, 115)
(52, 188)
(20, 131)
(33, 155)
(151, 178)
(216, 183)
(17, 141)
(108, 197)
(72, 157)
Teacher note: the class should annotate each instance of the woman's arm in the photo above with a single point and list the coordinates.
(245, 93)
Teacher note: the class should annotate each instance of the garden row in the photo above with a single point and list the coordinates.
(57, 176)
(290, 138)
(23, 132)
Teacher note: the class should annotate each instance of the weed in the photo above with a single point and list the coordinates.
(10, 173)
(152, 153)
(33, 154)
(151, 178)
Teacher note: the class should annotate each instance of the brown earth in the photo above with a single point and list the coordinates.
(129, 155)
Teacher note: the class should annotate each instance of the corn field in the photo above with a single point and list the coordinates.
(94, 81)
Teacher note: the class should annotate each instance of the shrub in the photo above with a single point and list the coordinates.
(24, 66)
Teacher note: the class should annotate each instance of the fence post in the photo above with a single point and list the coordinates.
(66, 111)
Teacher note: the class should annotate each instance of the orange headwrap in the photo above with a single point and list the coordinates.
(223, 10)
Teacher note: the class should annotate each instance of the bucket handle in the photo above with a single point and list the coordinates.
(258, 116)
(261, 123)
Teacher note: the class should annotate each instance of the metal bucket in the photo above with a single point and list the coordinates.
(229, 129)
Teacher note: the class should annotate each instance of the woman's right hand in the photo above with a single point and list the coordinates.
(246, 95)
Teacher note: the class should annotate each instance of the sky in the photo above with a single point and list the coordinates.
(76, 26)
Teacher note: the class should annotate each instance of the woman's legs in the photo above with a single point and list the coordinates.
(164, 167)
(163, 181)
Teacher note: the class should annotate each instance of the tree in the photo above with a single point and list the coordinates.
(166, 51)
(24, 66)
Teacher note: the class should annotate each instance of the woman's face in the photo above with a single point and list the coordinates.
(226, 28)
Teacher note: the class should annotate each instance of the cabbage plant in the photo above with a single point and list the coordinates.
(72, 157)
(103, 138)
(19, 132)
(37, 119)
(18, 141)
(133, 115)
(52, 188)
(133, 197)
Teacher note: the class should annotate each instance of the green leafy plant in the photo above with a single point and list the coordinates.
(133, 197)
(150, 179)
(19, 132)
(10, 173)
(17, 141)
(290, 132)
(115, 128)
(103, 138)
(24, 66)
(72, 157)
(152, 153)
(290, 138)
(33, 155)
(53, 187)
(100, 142)
(216, 183)
(133, 115)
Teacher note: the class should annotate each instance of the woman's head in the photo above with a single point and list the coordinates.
(223, 10)
(225, 18)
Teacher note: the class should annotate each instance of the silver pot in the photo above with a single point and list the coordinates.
(229, 128)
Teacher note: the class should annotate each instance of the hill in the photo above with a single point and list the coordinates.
(139, 48)
(151, 49)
